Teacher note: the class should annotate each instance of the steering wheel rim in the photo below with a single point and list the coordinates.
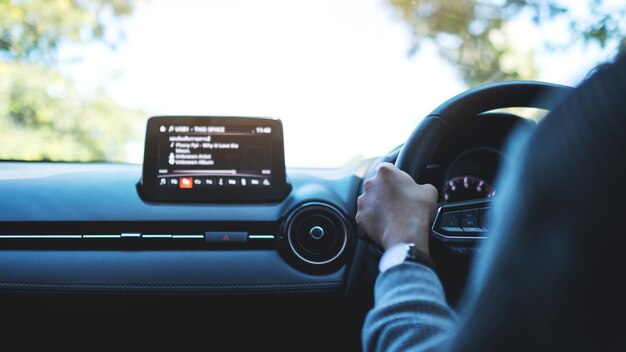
(424, 141)
(464, 223)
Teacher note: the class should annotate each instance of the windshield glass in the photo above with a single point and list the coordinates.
(350, 79)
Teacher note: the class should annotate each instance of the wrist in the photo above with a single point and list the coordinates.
(419, 238)
(404, 252)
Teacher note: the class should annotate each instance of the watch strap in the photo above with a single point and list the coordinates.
(402, 252)
(417, 256)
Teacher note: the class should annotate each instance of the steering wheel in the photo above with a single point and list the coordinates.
(459, 223)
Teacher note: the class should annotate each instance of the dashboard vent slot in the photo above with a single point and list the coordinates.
(317, 233)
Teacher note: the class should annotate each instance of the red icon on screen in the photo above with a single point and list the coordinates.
(226, 238)
(186, 182)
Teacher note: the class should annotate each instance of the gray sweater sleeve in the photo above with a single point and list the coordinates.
(552, 275)
(410, 311)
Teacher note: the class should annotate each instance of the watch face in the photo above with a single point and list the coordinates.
(393, 256)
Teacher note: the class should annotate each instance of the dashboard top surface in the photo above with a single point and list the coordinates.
(108, 192)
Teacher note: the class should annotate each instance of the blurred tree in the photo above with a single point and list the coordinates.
(34, 29)
(474, 35)
(42, 115)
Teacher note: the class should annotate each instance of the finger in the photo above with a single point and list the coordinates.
(360, 217)
(385, 168)
(430, 191)
(360, 202)
(386, 165)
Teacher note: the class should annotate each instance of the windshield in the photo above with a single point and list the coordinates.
(350, 79)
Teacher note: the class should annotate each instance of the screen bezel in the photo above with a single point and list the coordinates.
(150, 191)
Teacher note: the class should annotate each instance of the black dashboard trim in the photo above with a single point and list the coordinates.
(190, 271)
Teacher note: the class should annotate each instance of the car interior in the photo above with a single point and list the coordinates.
(210, 238)
(213, 239)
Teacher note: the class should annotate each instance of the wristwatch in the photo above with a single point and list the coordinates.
(401, 252)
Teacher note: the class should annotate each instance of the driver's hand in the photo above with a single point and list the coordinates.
(394, 209)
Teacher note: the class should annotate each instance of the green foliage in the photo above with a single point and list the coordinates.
(34, 29)
(473, 35)
(43, 117)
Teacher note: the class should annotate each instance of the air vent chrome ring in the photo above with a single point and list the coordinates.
(317, 233)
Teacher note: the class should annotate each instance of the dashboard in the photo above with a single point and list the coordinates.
(69, 206)
(82, 252)
(237, 227)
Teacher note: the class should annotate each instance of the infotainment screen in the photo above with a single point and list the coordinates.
(214, 159)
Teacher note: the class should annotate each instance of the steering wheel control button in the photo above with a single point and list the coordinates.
(451, 221)
(469, 221)
(316, 232)
(225, 237)
(483, 217)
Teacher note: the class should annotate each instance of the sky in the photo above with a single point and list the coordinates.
(336, 72)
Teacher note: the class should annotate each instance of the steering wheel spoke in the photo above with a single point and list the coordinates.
(462, 222)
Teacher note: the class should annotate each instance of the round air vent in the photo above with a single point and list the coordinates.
(317, 233)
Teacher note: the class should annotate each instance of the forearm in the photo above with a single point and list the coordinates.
(410, 311)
